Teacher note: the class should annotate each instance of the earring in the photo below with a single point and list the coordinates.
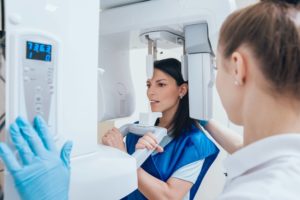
(181, 96)
(236, 83)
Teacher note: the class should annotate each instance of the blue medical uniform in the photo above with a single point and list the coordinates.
(189, 147)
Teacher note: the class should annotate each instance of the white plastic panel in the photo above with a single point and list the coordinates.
(107, 173)
(76, 90)
(201, 81)
(115, 93)
(76, 63)
(106, 4)
(38, 75)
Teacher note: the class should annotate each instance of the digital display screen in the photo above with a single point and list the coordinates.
(38, 51)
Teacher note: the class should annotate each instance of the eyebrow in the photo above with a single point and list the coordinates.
(161, 80)
(148, 81)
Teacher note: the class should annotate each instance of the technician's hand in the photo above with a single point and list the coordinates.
(114, 138)
(44, 173)
(148, 141)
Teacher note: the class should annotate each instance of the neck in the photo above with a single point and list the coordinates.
(167, 117)
(270, 116)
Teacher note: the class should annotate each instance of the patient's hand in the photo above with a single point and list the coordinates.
(148, 141)
(114, 138)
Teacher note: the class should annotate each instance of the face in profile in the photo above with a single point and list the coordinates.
(163, 92)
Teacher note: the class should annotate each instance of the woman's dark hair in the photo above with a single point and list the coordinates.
(271, 29)
(181, 121)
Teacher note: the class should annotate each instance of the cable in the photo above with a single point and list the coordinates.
(2, 54)
(2, 116)
(3, 16)
(2, 120)
(2, 126)
(2, 60)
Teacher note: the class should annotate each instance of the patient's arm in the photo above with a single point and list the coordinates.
(228, 139)
(153, 188)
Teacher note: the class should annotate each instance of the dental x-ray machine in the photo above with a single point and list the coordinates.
(62, 65)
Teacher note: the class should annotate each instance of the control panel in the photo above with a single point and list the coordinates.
(38, 69)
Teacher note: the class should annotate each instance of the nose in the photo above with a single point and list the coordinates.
(150, 91)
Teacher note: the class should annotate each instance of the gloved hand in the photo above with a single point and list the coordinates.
(203, 123)
(44, 173)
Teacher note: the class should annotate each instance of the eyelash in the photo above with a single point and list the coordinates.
(159, 84)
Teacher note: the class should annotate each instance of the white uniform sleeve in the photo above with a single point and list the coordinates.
(189, 172)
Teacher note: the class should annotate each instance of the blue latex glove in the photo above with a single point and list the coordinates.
(44, 173)
(203, 123)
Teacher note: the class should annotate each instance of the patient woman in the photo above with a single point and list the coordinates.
(185, 154)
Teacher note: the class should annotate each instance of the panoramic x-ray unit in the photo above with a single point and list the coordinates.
(68, 61)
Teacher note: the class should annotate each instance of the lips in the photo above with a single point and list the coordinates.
(154, 101)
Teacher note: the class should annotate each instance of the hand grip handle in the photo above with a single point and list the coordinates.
(142, 154)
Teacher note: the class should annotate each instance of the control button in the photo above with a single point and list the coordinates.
(15, 19)
(40, 113)
(38, 108)
(51, 89)
(26, 78)
(38, 98)
(38, 88)
(26, 69)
